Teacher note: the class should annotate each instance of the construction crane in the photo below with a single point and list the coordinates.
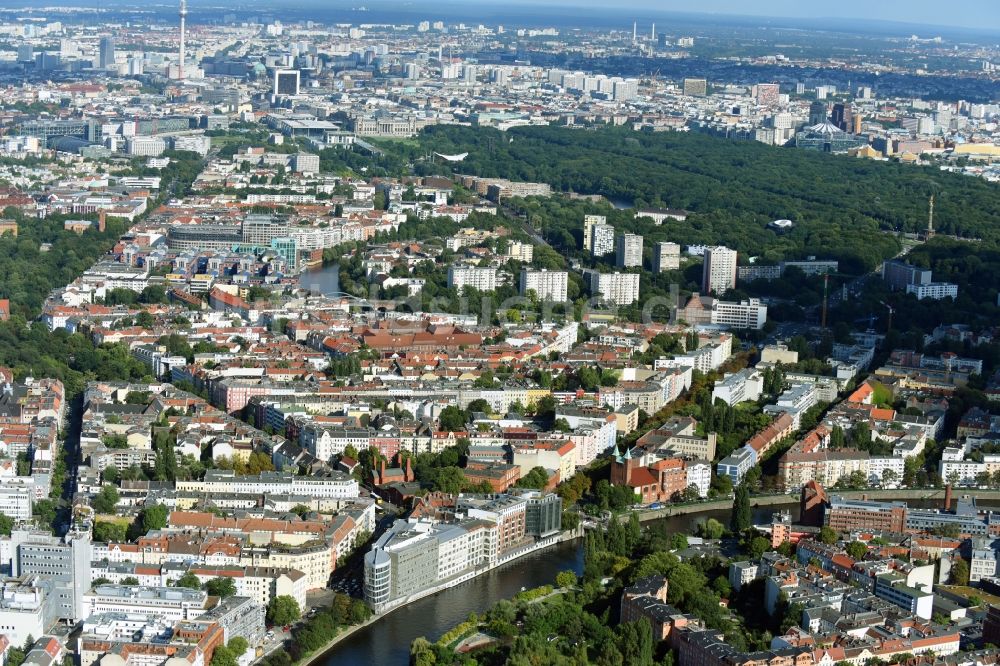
(891, 310)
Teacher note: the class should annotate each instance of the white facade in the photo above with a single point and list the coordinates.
(933, 290)
(739, 387)
(547, 285)
(719, 271)
(617, 288)
(602, 240)
(483, 279)
(745, 314)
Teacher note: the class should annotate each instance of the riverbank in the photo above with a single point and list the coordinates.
(327, 652)
(921, 494)
(537, 547)
(323, 651)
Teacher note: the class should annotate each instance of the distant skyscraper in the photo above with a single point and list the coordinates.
(719, 272)
(106, 56)
(842, 116)
(286, 82)
(818, 113)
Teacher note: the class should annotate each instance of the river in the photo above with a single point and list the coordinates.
(323, 280)
(387, 641)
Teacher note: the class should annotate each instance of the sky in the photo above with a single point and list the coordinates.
(981, 14)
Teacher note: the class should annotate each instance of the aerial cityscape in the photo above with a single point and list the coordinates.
(481, 333)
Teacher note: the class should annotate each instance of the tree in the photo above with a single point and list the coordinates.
(130, 580)
(45, 511)
(109, 532)
(6, 524)
(223, 656)
(452, 419)
(238, 646)
(856, 550)
(758, 546)
(566, 579)
(110, 474)
(537, 478)
(712, 529)
(889, 477)
(827, 535)
(106, 499)
(189, 580)
(155, 517)
(283, 610)
(960, 573)
(222, 586)
(678, 541)
(741, 516)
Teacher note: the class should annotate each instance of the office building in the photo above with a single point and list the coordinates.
(260, 230)
(602, 241)
(547, 285)
(666, 257)
(65, 563)
(719, 271)
(27, 608)
(170, 603)
(628, 251)
(737, 464)
(849, 515)
(106, 53)
(617, 288)
(899, 275)
(705, 310)
(145, 146)
(933, 290)
(287, 82)
(696, 87)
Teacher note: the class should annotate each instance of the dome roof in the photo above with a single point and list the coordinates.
(824, 128)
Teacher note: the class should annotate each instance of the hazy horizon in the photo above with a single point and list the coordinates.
(973, 14)
(976, 15)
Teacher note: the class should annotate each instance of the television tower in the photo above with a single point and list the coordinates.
(652, 33)
(635, 35)
(184, 13)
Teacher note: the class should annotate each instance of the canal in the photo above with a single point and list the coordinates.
(321, 280)
(387, 641)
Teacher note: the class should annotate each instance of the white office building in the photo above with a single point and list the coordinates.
(933, 290)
